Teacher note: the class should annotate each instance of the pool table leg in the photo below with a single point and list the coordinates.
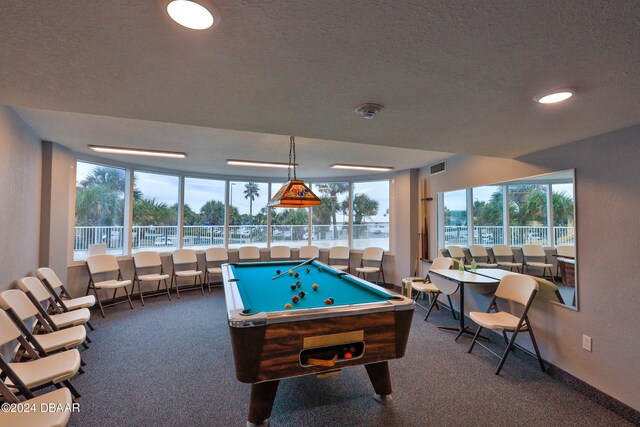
(261, 402)
(380, 379)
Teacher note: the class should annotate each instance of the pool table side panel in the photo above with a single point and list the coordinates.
(247, 346)
(284, 341)
(403, 326)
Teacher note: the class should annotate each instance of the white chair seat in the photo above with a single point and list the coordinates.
(71, 318)
(340, 267)
(424, 287)
(367, 269)
(214, 270)
(188, 273)
(64, 338)
(497, 321)
(152, 277)
(539, 264)
(59, 398)
(412, 279)
(487, 265)
(112, 284)
(81, 302)
(54, 368)
(509, 264)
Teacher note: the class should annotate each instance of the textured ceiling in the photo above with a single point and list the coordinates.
(453, 76)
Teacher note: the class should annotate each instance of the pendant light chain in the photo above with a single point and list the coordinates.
(292, 156)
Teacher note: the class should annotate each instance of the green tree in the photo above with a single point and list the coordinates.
(148, 212)
(363, 207)
(251, 192)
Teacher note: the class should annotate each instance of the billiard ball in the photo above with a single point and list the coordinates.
(293, 286)
(319, 268)
(288, 306)
(327, 301)
(299, 283)
(277, 271)
(302, 294)
(315, 286)
(296, 275)
(290, 272)
(308, 270)
(295, 298)
(332, 300)
(348, 355)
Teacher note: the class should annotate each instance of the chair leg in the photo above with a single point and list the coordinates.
(378, 278)
(166, 287)
(507, 350)
(84, 344)
(453, 313)
(95, 291)
(71, 388)
(475, 337)
(199, 278)
(535, 346)
(126, 292)
(91, 326)
(383, 279)
(176, 284)
(433, 302)
(139, 291)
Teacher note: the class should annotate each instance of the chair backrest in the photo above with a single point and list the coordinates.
(216, 255)
(8, 330)
(280, 252)
(339, 252)
(441, 263)
(16, 300)
(373, 254)
(517, 288)
(184, 256)
(248, 253)
(502, 250)
(456, 252)
(33, 285)
(547, 290)
(566, 251)
(48, 275)
(307, 252)
(533, 251)
(102, 264)
(146, 259)
(97, 249)
(478, 251)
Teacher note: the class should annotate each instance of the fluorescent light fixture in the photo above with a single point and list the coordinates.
(137, 152)
(363, 167)
(554, 96)
(192, 15)
(278, 165)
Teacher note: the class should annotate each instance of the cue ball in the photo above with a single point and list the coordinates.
(290, 272)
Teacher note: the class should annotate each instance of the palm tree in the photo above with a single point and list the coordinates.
(251, 192)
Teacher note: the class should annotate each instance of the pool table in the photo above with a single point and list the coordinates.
(345, 321)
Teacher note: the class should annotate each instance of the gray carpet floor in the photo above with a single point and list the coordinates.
(169, 363)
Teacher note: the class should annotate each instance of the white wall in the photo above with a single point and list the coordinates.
(20, 181)
(607, 204)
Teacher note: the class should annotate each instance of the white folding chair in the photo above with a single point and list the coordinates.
(42, 299)
(147, 267)
(423, 285)
(308, 252)
(536, 257)
(505, 258)
(20, 309)
(106, 265)
(372, 260)
(280, 252)
(565, 251)
(516, 288)
(457, 253)
(26, 377)
(41, 417)
(341, 255)
(249, 253)
(480, 255)
(217, 256)
(188, 258)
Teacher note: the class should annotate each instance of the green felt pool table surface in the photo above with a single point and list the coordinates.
(261, 293)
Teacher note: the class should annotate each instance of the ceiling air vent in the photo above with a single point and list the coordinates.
(437, 168)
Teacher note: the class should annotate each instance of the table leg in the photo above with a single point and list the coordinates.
(462, 329)
(261, 402)
(380, 379)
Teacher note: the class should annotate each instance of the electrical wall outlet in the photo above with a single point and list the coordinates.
(586, 342)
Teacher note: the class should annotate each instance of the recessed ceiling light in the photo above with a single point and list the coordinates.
(253, 163)
(192, 15)
(363, 167)
(137, 152)
(554, 96)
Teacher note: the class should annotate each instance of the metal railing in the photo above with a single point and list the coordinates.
(519, 235)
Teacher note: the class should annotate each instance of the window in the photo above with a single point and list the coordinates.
(528, 214)
(563, 220)
(204, 213)
(371, 214)
(248, 214)
(330, 220)
(488, 218)
(155, 212)
(455, 218)
(289, 227)
(100, 192)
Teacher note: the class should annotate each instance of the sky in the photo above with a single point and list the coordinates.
(164, 188)
(457, 200)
